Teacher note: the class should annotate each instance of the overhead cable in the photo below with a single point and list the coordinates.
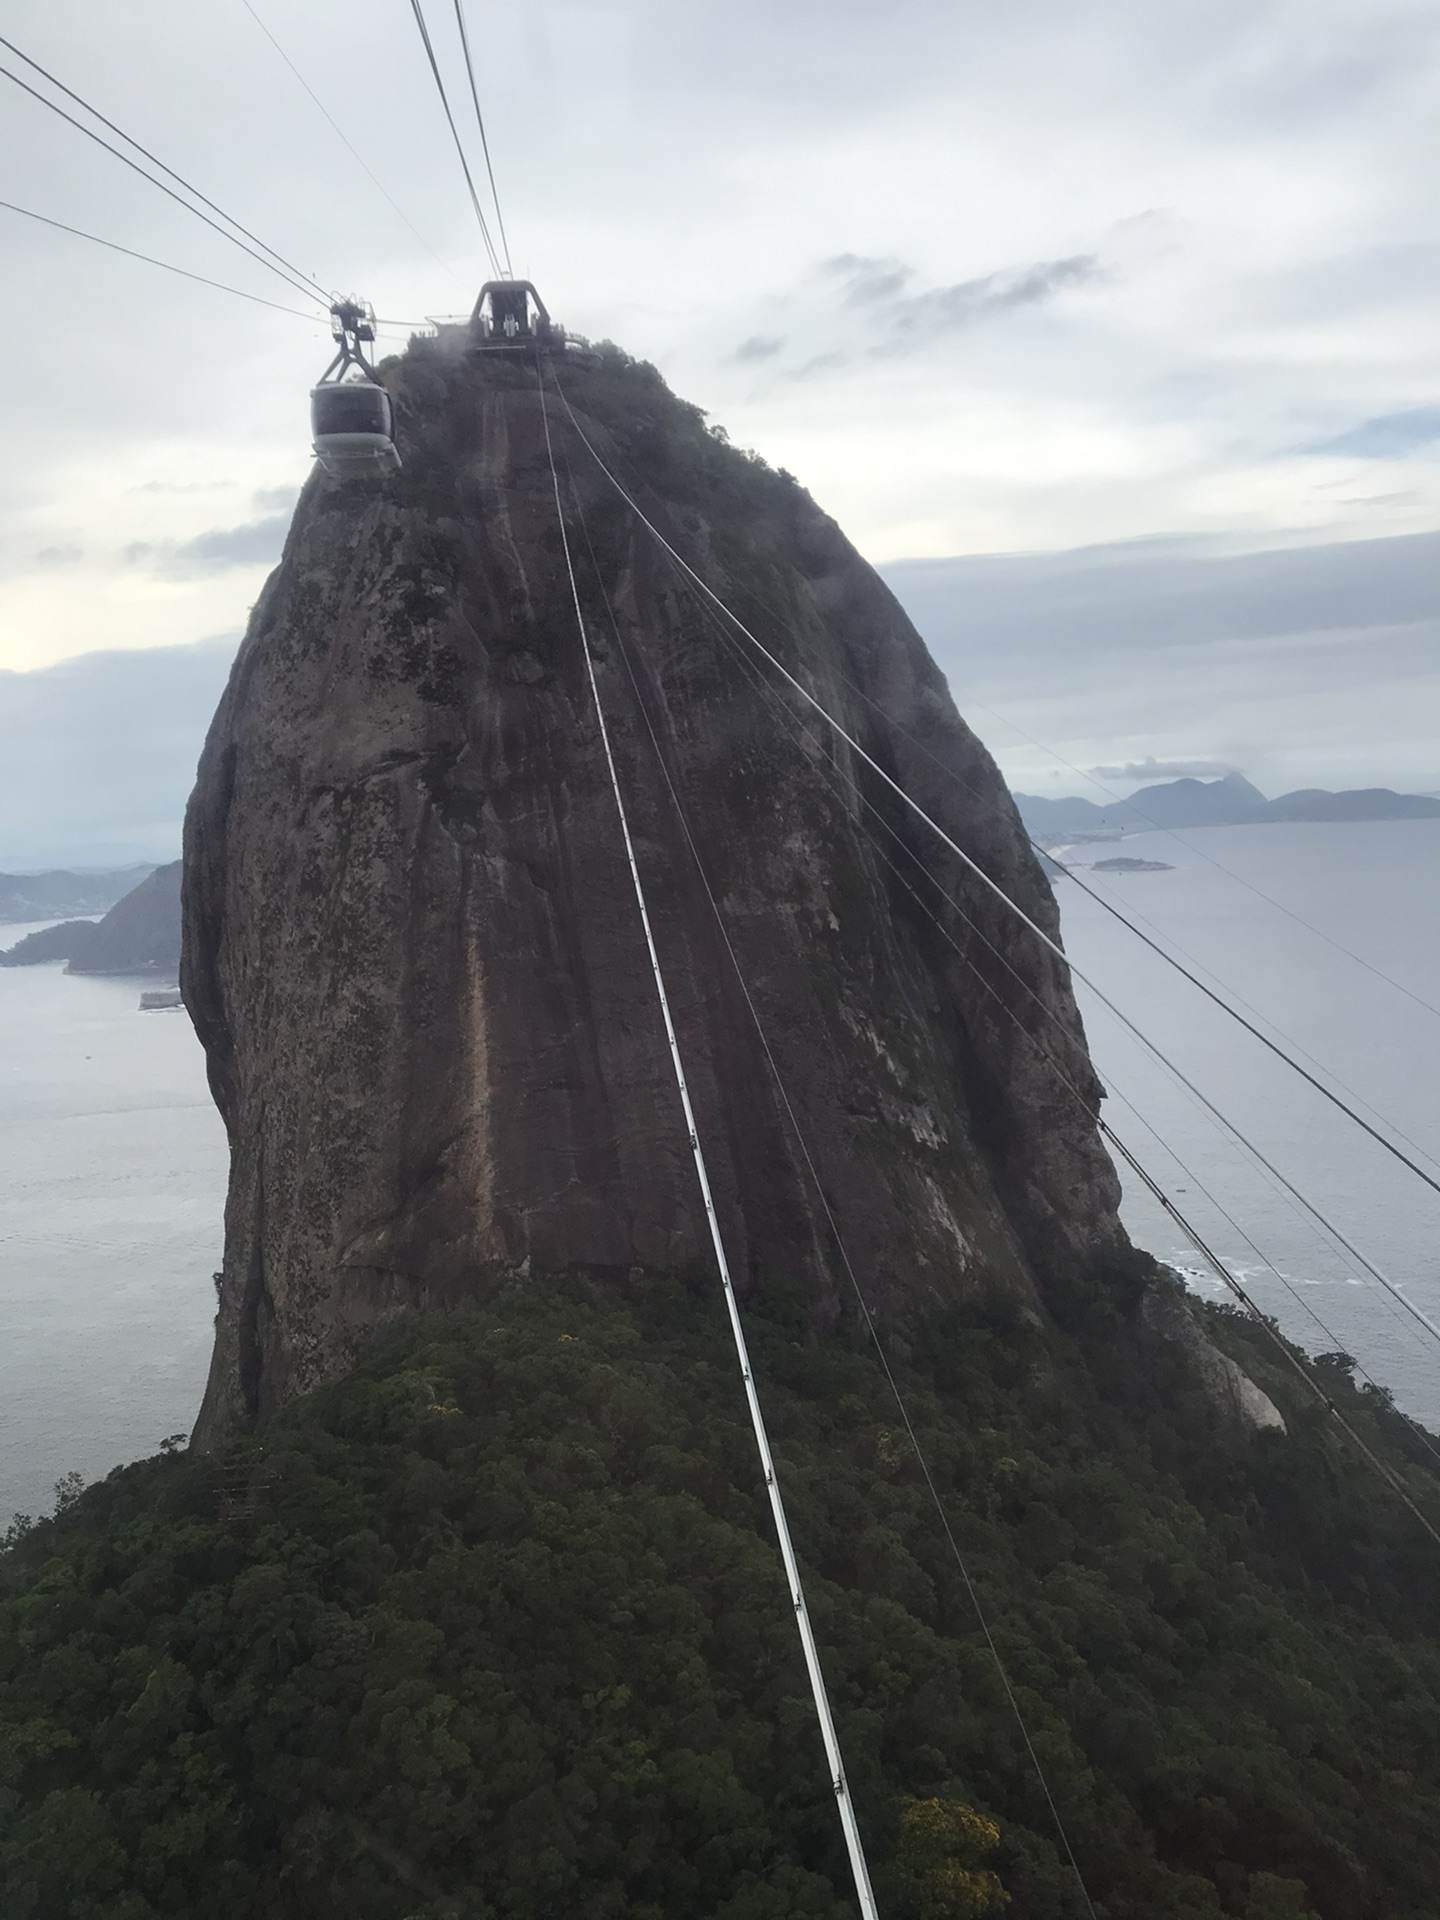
(1127, 921)
(150, 261)
(991, 806)
(277, 263)
(1230, 873)
(833, 1224)
(802, 733)
(1053, 946)
(494, 258)
(1250, 1027)
(484, 141)
(830, 1739)
(984, 800)
(1227, 1125)
(340, 131)
(1391, 1479)
(1222, 1270)
(1260, 893)
(1133, 914)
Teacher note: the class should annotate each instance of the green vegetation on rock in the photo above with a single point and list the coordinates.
(495, 1626)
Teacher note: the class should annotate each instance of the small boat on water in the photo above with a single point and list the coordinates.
(158, 997)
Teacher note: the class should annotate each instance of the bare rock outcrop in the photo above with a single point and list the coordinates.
(411, 949)
(1167, 1310)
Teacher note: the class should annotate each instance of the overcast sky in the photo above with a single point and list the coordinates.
(1051, 277)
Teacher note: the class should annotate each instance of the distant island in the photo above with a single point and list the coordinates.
(1228, 802)
(140, 934)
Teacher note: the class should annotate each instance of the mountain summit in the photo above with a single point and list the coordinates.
(478, 1616)
(411, 949)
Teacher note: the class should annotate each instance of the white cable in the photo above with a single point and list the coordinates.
(974, 867)
(853, 1843)
(854, 1278)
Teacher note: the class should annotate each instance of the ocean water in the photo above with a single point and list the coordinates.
(114, 1160)
(111, 1200)
(1371, 888)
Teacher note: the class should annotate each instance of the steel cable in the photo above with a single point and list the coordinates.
(1051, 945)
(800, 733)
(484, 140)
(836, 1236)
(416, 9)
(151, 261)
(1172, 834)
(298, 279)
(344, 137)
(830, 1739)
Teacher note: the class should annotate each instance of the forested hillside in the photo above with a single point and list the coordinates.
(495, 1626)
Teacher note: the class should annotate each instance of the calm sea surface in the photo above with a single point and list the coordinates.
(1373, 889)
(114, 1159)
(112, 1186)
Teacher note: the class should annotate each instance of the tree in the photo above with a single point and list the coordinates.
(942, 1843)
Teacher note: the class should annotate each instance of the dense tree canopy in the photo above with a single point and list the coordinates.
(495, 1626)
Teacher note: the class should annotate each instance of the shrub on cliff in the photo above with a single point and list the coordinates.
(495, 1627)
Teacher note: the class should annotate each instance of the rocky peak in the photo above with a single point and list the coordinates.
(411, 949)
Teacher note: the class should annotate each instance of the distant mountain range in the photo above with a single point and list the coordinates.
(63, 895)
(1231, 802)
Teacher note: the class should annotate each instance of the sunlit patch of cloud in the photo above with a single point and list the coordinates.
(1389, 436)
(1152, 769)
(182, 486)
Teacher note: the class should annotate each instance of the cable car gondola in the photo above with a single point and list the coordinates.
(352, 420)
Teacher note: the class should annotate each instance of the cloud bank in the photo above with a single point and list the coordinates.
(219, 550)
(1298, 666)
(1148, 660)
(97, 754)
(904, 321)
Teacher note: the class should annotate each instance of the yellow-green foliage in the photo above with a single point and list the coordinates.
(942, 1843)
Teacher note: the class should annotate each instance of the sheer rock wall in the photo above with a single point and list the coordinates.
(413, 956)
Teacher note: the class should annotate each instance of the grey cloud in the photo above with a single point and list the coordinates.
(257, 543)
(943, 309)
(1152, 769)
(760, 346)
(1134, 600)
(867, 279)
(908, 320)
(1387, 437)
(1302, 666)
(97, 754)
(822, 363)
(59, 556)
(254, 544)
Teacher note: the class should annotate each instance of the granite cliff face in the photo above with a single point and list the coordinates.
(411, 949)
